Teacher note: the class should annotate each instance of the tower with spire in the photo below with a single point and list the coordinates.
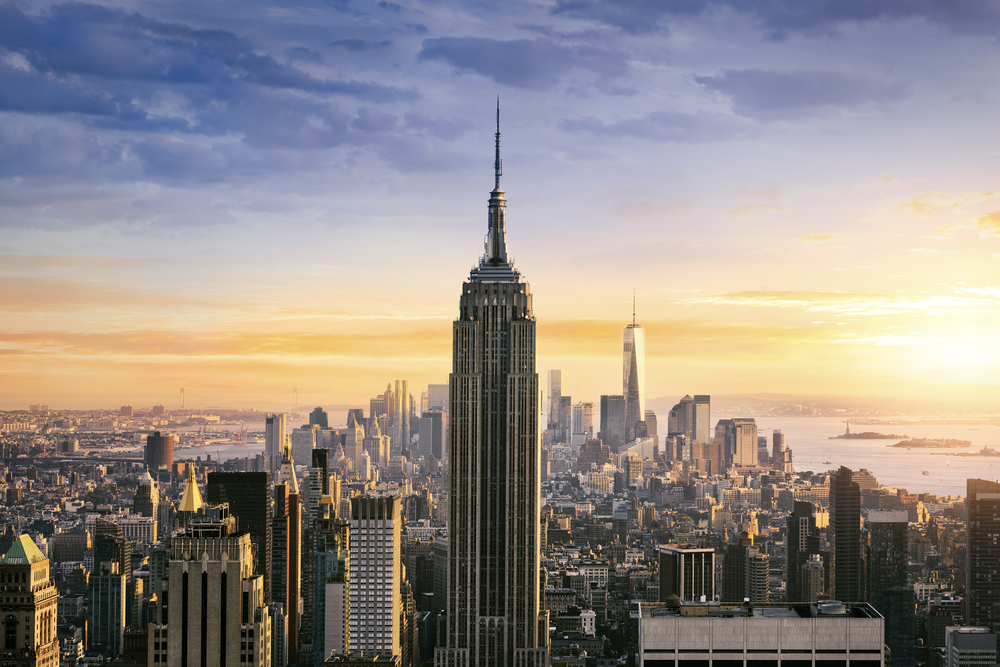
(492, 603)
(633, 375)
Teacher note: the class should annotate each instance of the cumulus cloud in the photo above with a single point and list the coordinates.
(523, 63)
(772, 94)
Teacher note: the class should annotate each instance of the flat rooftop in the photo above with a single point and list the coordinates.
(832, 609)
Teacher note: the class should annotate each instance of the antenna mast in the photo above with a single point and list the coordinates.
(498, 165)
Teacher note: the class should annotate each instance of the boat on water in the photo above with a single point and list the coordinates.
(925, 472)
(827, 463)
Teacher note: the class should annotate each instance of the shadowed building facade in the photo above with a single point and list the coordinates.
(983, 579)
(847, 581)
(493, 549)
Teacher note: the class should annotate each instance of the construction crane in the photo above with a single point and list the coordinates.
(240, 438)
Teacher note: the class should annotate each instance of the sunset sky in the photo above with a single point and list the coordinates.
(239, 198)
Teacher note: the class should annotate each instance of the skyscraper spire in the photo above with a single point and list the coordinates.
(495, 265)
(633, 306)
(498, 164)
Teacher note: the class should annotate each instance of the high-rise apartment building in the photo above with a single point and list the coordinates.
(983, 537)
(274, 439)
(248, 495)
(740, 439)
(847, 578)
(159, 450)
(777, 450)
(745, 572)
(30, 607)
(555, 393)
(702, 418)
(107, 588)
(803, 543)
(634, 374)
(376, 574)
(286, 559)
(688, 573)
(886, 544)
(613, 422)
(325, 592)
(493, 615)
(319, 417)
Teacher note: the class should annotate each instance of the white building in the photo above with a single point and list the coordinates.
(376, 574)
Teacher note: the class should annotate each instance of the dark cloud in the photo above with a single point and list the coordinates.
(304, 54)
(771, 94)
(779, 18)
(670, 126)
(361, 44)
(523, 63)
(75, 39)
(391, 6)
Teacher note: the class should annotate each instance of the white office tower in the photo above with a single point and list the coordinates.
(376, 574)
(274, 440)
(634, 374)
(492, 606)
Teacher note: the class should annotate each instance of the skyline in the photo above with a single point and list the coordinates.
(239, 200)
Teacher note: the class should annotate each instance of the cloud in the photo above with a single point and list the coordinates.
(989, 224)
(778, 19)
(853, 303)
(753, 208)
(447, 129)
(818, 238)
(928, 203)
(523, 63)
(772, 94)
(93, 41)
(670, 126)
(361, 45)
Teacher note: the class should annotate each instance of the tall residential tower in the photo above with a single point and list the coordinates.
(493, 615)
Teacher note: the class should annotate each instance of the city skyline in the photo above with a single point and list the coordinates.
(804, 202)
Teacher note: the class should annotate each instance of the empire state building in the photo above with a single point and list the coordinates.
(493, 615)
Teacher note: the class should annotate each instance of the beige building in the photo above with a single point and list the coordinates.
(713, 635)
(217, 613)
(30, 607)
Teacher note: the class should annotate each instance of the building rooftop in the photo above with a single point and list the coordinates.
(22, 552)
(829, 609)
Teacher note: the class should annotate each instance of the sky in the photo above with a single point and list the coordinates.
(242, 198)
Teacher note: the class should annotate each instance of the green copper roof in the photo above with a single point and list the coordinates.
(22, 552)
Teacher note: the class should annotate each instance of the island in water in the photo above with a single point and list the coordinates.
(866, 435)
(985, 451)
(930, 443)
